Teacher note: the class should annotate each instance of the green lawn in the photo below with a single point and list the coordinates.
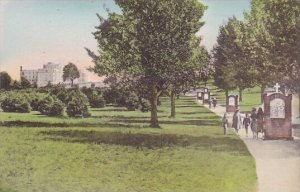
(116, 151)
(251, 97)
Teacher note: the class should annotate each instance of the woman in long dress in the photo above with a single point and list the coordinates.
(260, 120)
(236, 120)
(253, 123)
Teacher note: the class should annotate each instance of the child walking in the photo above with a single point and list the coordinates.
(225, 123)
(246, 123)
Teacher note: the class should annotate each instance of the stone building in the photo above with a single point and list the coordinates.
(30, 75)
(50, 73)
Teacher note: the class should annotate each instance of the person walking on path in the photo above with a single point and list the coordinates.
(260, 121)
(225, 123)
(214, 102)
(253, 123)
(236, 120)
(246, 123)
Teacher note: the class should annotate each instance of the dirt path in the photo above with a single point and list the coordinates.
(277, 162)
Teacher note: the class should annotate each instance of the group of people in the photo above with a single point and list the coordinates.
(212, 102)
(255, 121)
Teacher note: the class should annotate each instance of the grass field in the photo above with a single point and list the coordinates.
(116, 151)
(251, 97)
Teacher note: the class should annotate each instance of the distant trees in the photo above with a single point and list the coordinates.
(25, 83)
(5, 80)
(70, 72)
(152, 44)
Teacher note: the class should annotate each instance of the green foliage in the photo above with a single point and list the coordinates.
(132, 102)
(153, 44)
(144, 105)
(70, 72)
(25, 83)
(15, 103)
(16, 85)
(51, 106)
(273, 32)
(111, 95)
(189, 153)
(5, 80)
(60, 92)
(97, 101)
(77, 104)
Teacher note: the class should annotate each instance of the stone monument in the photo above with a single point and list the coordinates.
(278, 115)
(233, 103)
(199, 95)
(206, 96)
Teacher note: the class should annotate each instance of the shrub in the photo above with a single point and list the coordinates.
(111, 95)
(56, 109)
(132, 102)
(15, 103)
(60, 92)
(35, 100)
(51, 106)
(97, 101)
(144, 105)
(77, 105)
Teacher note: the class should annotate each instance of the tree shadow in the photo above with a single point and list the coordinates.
(199, 122)
(21, 124)
(150, 141)
(120, 117)
(191, 113)
(108, 110)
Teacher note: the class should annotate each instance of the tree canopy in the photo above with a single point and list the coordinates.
(70, 72)
(149, 40)
(5, 80)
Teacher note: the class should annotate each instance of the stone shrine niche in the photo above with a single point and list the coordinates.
(277, 108)
(277, 116)
(199, 96)
(206, 96)
(232, 103)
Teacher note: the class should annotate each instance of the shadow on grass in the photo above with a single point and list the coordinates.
(150, 141)
(199, 122)
(120, 117)
(194, 113)
(108, 110)
(65, 124)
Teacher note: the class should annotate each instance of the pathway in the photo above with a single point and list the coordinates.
(277, 162)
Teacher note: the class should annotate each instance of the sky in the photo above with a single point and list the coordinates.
(35, 32)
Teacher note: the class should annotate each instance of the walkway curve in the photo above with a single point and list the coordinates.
(277, 161)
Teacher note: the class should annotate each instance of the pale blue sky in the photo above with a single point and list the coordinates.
(33, 32)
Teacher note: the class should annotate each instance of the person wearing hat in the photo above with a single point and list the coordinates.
(236, 120)
(253, 122)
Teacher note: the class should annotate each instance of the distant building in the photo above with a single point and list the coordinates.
(50, 73)
(30, 75)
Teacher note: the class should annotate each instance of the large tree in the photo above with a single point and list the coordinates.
(149, 40)
(223, 52)
(189, 75)
(273, 36)
(70, 72)
(5, 80)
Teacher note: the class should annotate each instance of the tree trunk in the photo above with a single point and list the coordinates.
(72, 83)
(240, 94)
(153, 102)
(299, 104)
(226, 97)
(262, 94)
(205, 82)
(172, 104)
